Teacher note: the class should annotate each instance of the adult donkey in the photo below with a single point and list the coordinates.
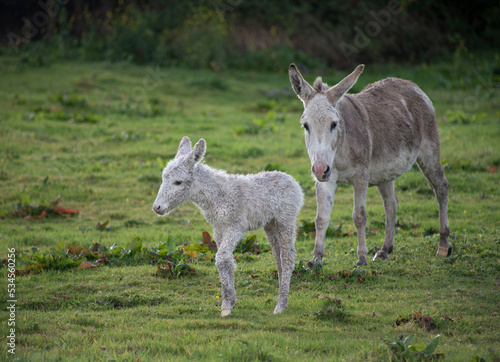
(369, 139)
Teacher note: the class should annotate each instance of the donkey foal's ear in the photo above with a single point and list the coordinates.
(199, 150)
(184, 147)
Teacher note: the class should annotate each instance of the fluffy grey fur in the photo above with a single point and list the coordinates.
(233, 204)
(369, 139)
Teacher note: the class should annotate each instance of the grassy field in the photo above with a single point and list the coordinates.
(98, 134)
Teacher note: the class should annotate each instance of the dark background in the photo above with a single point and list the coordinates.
(248, 34)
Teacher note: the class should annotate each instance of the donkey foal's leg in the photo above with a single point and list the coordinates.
(325, 192)
(225, 263)
(287, 255)
(390, 207)
(273, 238)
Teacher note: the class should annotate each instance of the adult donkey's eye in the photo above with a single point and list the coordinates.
(177, 183)
(333, 126)
(306, 127)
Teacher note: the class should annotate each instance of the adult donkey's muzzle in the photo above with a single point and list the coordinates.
(321, 170)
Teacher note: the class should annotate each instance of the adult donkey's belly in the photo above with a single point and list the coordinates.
(390, 168)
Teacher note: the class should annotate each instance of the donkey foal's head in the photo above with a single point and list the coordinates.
(177, 176)
(321, 120)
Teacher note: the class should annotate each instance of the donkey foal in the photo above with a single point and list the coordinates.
(233, 204)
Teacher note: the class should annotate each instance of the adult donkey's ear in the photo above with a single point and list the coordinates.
(303, 90)
(337, 91)
(184, 147)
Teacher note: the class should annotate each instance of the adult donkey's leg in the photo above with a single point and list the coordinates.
(325, 192)
(390, 207)
(359, 217)
(430, 165)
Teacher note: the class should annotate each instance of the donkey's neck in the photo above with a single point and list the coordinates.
(352, 120)
(207, 188)
(343, 106)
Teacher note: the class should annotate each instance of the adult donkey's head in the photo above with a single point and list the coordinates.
(321, 120)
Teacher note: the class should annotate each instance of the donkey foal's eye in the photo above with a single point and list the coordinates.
(177, 183)
(333, 126)
(306, 127)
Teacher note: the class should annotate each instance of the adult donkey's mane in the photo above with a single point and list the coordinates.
(369, 139)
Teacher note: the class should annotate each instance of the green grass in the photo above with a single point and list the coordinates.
(94, 134)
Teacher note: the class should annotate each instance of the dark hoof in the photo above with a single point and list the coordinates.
(381, 254)
(315, 264)
(361, 263)
(449, 250)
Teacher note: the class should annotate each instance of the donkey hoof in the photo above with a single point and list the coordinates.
(225, 312)
(315, 264)
(362, 262)
(381, 254)
(444, 251)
